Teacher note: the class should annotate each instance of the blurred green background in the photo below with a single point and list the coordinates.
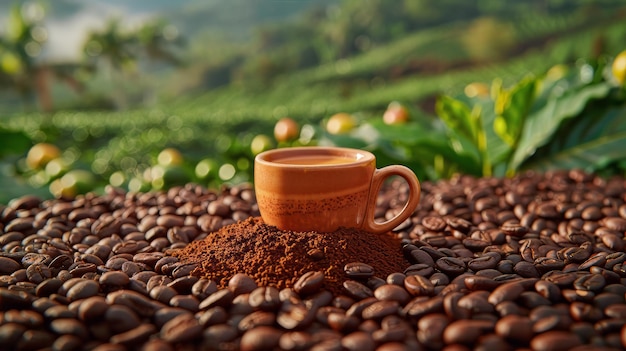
(145, 95)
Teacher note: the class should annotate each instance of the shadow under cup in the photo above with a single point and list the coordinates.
(323, 188)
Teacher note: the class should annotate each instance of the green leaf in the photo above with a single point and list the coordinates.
(13, 142)
(457, 116)
(17, 26)
(12, 187)
(589, 142)
(361, 138)
(497, 151)
(407, 133)
(541, 125)
(512, 107)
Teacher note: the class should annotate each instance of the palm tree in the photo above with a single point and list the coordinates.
(19, 49)
(21, 67)
(111, 46)
(116, 50)
(160, 41)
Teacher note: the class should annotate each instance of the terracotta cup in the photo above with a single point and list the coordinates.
(323, 188)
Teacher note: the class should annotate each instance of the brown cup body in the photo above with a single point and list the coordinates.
(318, 197)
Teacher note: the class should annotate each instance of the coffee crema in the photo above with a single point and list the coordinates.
(313, 160)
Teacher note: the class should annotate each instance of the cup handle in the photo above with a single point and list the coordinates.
(377, 180)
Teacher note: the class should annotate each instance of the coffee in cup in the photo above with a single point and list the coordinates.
(323, 188)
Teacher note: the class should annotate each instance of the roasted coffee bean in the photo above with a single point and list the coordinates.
(439, 279)
(188, 302)
(309, 283)
(555, 340)
(390, 292)
(67, 342)
(357, 290)
(435, 224)
(163, 293)
(260, 338)
(219, 334)
(35, 339)
(459, 224)
(422, 305)
(434, 253)
(450, 265)
(48, 287)
(183, 284)
(515, 230)
(476, 302)
(483, 262)
(338, 320)
(430, 330)
(358, 270)
(506, 292)
(396, 278)
(581, 311)
(532, 299)
(319, 299)
(590, 282)
(213, 316)
(417, 285)
(526, 269)
(481, 283)
(92, 308)
(561, 279)
(296, 340)
(419, 256)
(294, 314)
(166, 314)
(114, 279)
(170, 221)
(121, 318)
(140, 304)
(380, 309)
(515, 327)
(8, 266)
(222, 298)
(552, 322)
(422, 269)
(69, 326)
(134, 336)
(203, 288)
(265, 298)
(466, 331)
(241, 284)
(183, 270)
(82, 290)
(358, 341)
(548, 290)
(184, 327)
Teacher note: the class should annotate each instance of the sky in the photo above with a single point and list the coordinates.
(68, 23)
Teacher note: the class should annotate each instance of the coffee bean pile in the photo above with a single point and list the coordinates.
(535, 262)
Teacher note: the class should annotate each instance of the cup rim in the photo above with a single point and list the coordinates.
(361, 156)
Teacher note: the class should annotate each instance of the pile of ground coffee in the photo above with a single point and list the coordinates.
(274, 257)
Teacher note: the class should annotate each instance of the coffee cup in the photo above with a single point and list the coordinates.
(324, 188)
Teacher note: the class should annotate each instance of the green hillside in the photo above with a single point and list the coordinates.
(229, 91)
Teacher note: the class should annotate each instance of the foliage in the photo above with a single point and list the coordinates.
(575, 120)
(471, 32)
(20, 48)
(540, 123)
(25, 71)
